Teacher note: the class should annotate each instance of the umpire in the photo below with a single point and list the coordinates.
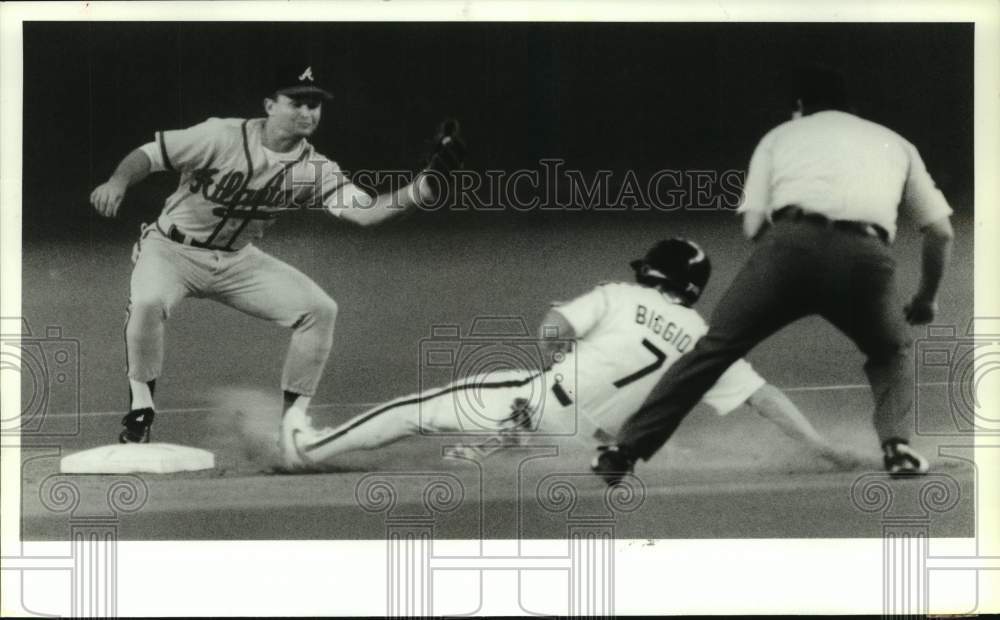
(820, 200)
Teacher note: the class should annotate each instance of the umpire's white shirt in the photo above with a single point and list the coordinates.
(844, 167)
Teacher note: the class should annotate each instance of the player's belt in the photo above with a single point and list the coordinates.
(794, 213)
(175, 235)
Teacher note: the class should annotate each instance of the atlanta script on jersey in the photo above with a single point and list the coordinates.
(231, 187)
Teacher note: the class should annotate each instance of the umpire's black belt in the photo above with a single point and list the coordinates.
(175, 235)
(794, 213)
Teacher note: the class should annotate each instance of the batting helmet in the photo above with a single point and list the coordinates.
(676, 265)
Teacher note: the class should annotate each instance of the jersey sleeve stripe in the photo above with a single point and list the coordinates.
(246, 151)
(332, 191)
(163, 152)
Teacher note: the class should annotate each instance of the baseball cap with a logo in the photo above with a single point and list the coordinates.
(297, 80)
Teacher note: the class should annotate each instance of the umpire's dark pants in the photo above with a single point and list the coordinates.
(798, 268)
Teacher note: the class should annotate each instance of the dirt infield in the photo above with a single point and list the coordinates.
(721, 478)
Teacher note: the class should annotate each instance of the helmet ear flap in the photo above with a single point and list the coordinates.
(642, 276)
(643, 272)
(675, 265)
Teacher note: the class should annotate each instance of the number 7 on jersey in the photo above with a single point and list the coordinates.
(661, 357)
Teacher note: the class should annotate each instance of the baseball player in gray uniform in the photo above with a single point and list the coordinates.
(608, 348)
(821, 201)
(236, 177)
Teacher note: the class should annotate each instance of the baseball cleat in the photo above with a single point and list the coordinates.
(612, 464)
(294, 425)
(137, 423)
(902, 460)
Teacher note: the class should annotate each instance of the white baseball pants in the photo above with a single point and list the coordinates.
(248, 280)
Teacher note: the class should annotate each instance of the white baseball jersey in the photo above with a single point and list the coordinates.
(843, 167)
(628, 335)
(232, 187)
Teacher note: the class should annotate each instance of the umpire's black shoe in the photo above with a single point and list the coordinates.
(137, 423)
(612, 463)
(902, 460)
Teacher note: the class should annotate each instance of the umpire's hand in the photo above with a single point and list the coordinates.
(920, 310)
(107, 197)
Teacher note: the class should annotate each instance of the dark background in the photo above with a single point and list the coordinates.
(641, 96)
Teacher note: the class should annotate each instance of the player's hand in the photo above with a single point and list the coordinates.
(447, 148)
(920, 310)
(446, 154)
(107, 197)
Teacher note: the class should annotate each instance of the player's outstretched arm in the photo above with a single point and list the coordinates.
(107, 197)
(447, 154)
(367, 211)
(772, 404)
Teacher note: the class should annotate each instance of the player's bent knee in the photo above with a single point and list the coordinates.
(148, 308)
(325, 311)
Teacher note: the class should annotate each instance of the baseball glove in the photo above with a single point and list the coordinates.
(447, 151)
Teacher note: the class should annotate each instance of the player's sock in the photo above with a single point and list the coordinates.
(291, 399)
(141, 394)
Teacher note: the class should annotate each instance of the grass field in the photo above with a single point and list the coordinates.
(719, 477)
